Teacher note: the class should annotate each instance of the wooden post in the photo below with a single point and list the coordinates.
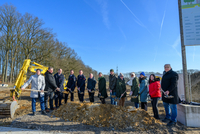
(185, 74)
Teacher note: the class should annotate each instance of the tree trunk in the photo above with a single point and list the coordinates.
(13, 55)
(6, 66)
(0, 65)
(3, 70)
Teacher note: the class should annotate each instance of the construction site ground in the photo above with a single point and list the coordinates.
(50, 124)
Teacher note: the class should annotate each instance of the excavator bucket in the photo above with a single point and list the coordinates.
(8, 108)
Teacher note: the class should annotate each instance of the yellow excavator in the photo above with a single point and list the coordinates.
(32, 66)
(9, 107)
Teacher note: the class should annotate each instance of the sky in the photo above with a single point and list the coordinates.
(135, 35)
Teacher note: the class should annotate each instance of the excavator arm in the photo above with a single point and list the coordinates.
(21, 78)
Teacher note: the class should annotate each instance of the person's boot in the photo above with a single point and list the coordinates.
(171, 123)
(53, 108)
(34, 113)
(166, 120)
(47, 110)
(44, 112)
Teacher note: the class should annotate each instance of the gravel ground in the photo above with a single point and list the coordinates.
(24, 119)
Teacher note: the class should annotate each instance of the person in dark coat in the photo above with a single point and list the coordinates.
(71, 84)
(155, 94)
(112, 86)
(81, 85)
(143, 90)
(102, 88)
(134, 83)
(121, 89)
(50, 87)
(59, 77)
(169, 86)
(91, 87)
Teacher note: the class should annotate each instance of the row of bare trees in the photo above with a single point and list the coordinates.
(24, 37)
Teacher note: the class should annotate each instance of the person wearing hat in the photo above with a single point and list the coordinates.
(143, 90)
(102, 88)
(121, 89)
(134, 83)
(112, 86)
(37, 83)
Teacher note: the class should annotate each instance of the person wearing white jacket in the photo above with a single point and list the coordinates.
(37, 83)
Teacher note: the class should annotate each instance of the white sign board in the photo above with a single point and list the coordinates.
(191, 21)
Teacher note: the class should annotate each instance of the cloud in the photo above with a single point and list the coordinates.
(92, 6)
(161, 25)
(123, 33)
(104, 11)
(136, 18)
(176, 43)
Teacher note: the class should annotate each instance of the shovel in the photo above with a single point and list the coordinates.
(167, 96)
(35, 90)
(100, 96)
(113, 96)
(133, 96)
(80, 92)
(120, 97)
(91, 91)
(67, 91)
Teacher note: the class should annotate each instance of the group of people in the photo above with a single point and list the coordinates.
(142, 87)
(50, 87)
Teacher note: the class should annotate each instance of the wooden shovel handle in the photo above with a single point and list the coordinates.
(35, 90)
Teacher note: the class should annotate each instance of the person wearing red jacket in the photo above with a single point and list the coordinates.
(154, 92)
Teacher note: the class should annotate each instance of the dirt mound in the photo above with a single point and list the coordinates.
(107, 115)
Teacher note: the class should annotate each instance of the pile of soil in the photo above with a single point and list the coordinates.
(107, 115)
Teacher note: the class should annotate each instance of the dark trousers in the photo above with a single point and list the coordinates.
(58, 97)
(154, 103)
(103, 101)
(144, 105)
(81, 97)
(91, 97)
(136, 105)
(48, 96)
(66, 97)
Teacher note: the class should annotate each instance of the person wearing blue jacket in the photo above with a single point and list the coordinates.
(59, 78)
(91, 87)
(71, 84)
(81, 85)
(143, 90)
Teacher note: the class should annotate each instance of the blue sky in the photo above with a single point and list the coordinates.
(135, 35)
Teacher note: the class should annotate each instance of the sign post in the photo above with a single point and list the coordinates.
(189, 18)
(184, 63)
